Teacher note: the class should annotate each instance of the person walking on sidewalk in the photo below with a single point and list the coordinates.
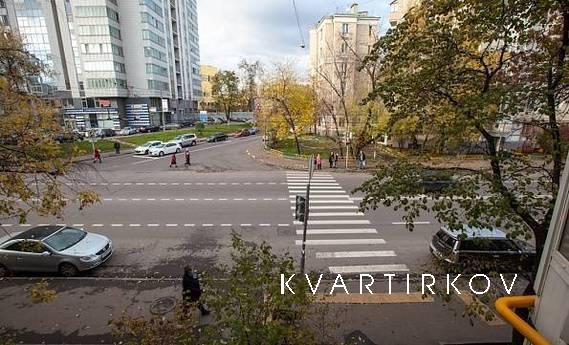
(362, 159)
(331, 159)
(117, 147)
(173, 161)
(187, 154)
(335, 160)
(191, 290)
(318, 162)
(97, 156)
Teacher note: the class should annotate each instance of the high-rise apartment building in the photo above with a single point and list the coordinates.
(118, 62)
(338, 44)
(207, 73)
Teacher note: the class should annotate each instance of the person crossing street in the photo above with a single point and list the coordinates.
(173, 161)
(187, 154)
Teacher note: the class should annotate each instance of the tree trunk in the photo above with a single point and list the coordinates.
(297, 143)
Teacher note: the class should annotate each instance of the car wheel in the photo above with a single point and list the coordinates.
(68, 270)
(178, 150)
(146, 152)
(160, 154)
(3, 271)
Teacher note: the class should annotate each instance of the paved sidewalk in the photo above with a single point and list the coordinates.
(83, 307)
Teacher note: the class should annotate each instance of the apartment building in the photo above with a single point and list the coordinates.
(116, 63)
(398, 9)
(207, 73)
(338, 44)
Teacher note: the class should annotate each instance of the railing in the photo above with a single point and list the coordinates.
(506, 306)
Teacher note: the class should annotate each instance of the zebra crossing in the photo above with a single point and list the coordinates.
(338, 233)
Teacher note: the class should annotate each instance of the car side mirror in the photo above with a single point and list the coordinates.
(46, 253)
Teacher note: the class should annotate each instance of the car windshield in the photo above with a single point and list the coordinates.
(65, 238)
(179, 137)
(148, 144)
(158, 146)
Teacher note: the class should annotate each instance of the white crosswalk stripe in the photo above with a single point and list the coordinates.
(335, 221)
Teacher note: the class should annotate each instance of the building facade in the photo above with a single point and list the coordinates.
(116, 63)
(398, 9)
(338, 44)
(207, 73)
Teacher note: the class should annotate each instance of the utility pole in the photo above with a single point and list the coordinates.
(306, 212)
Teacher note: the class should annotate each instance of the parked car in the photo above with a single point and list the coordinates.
(104, 132)
(435, 180)
(253, 130)
(186, 140)
(69, 136)
(217, 137)
(219, 121)
(242, 133)
(145, 148)
(165, 149)
(128, 131)
(188, 123)
(169, 126)
(54, 248)
(482, 250)
(148, 129)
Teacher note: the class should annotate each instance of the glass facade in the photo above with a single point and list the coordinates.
(155, 69)
(106, 83)
(151, 36)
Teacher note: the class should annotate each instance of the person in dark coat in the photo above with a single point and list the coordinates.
(331, 159)
(117, 146)
(191, 289)
(187, 157)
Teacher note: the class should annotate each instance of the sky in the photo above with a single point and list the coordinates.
(266, 30)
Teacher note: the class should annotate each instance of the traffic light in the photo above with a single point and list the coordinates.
(300, 209)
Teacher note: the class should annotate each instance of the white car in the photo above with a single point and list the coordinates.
(145, 148)
(128, 131)
(186, 140)
(165, 149)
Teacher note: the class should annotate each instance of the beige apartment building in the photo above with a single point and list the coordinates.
(338, 44)
(207, 73)
(398, 9)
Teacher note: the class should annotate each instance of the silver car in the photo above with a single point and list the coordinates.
(54, 248)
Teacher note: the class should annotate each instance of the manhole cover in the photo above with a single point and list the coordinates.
(163, 305)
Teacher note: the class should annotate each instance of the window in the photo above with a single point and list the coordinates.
(93, 30)
(155, 69)
(394, 6)
(344, 47)
(117, 50)
(564, 245)
(151, 36)
(345, 28)
(116, 33)
(157, 85)
(90, 11)
(149, 19)
(4, 20)
(370, 30)
(154, 53)
(106, 83)
(153, 6)
(2, 4)
(113, 15)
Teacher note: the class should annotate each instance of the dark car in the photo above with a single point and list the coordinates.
(435, 180)
(105, 132)
(188, 123)
(148, 129)
(217, 137)
(69, 136)
(479, 249)
(243, 133)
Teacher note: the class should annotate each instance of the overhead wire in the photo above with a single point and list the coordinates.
(302, 44)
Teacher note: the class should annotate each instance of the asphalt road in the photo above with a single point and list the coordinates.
(163, 218)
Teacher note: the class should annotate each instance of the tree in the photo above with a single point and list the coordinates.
(32, 163)
(225, 91)
(288, 104)
(478, 64)
(251, 71)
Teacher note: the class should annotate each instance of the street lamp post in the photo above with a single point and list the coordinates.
(306, 213)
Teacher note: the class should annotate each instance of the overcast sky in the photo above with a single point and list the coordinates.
(231, 30)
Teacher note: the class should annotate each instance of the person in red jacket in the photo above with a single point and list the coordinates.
(97, 156)
(173, 161)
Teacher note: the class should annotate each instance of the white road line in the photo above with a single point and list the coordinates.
(335, 214)
(194, 199)
(357, 199)
(171, 225)
(97, 225)
(222, 199)
(122, 199)
(235, 183)
(416, 223)
(343, 207)
(247, 183)
(264, 224)
(175, 184)
(207, 224)
(179, 199)
(238, 199)
(153, 225)
(116, 184)
(42, 224)
(162, 183)
(189, 225)
(78, 224)
(347, 241)
(208, 199)
(150, 199)
(225, 225)
(252, 199)
(368, 269)
(326, 196)
(140, 184)
(187, 183)
(355, 254)
(314, 184)
(210, 184)
(7, 225)
(315, 191)
(127, 183)
(134, 225)
(25, 225)
(151, 183)
(283, 224)
(335, 222)
(107, 199)
(337, 231)
(281, 199)
(165, 199)
(267, 199)
(244, 224)
(222, 183)
(312, 201)
(260, 183)
(116, 225)
(135, 199)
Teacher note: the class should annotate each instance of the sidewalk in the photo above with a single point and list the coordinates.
(83, 307)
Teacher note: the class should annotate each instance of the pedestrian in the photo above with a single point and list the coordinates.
(318, 162)
(336, 160)
(117, 146)
(97, 156)
(191, 290)
(187, 153)
(173, 161)
(362, 159)
(331, 159)
(315, 162)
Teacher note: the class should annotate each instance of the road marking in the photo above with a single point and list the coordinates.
(122, 199)
(208, 199)
(116, 225)
(187, 183)
(336, 214)
(416, 223)
(368, 269)
(252, 199)
(344, 207)
(165, 199)
(346, 201)
(7, 225)
(315, 191)
(260, 183)
(25, 225)
(238, 199)
(150, 199)
(135, 199)
(264, 224)
(283, 224)
(376, 298)
(247, 183)
(179, 199)
(78, 224)
(171, 225)
(107, 199)
(336, 222)
(162, 184)
(175, 184)
(225, 225)
(281, 199)
(151, 184)
(207, 224)
(97, 225)
(194, 199)
(355, 254)
(326, 196)
(134, 225)
(267, 199)
(116, 184)
(153, 225)
(337, 231)
(347, 241)
(188, 225)
(244, 224)
(223, 199)
(321, 184)
(127, 183)
(210, 184)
